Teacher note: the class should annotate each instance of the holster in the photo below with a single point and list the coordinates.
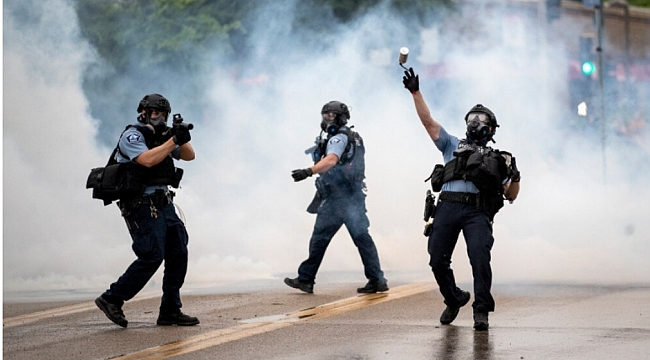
(128, 206)
(429, 205)
(315, 204)
(429, 212)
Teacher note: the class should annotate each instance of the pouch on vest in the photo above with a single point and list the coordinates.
(115, 182)
(488, 174)
(436, 177)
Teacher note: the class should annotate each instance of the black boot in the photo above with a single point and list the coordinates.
(178, 318)
(451, 312)
(112, 311)
(481, 321)
(297, 284)
(372, 288)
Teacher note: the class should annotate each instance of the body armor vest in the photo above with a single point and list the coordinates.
(485, 167)
(163, 173)
(347, 176)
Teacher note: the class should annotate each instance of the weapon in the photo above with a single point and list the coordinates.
(429, 212)
(429, 206)
(178, 123)
(315, 151)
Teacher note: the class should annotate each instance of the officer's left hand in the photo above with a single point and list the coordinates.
(515, 175)
(301, 174)
(182, 136)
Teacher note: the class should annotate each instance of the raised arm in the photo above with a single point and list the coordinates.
(432, 126)
(412, 83)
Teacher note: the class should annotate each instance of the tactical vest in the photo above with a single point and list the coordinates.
(485, 167)
(347, 176)
(163, 173)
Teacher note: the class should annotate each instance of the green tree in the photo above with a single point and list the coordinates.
(160, 32)
(643, 3)
(346, 10)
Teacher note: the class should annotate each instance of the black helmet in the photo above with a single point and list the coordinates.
(331, 126)
(478, 110)
(154, 101)
(339, 108)
(342, 115)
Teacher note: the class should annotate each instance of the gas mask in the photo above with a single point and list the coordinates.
(159, 123)
(478, 128)
(329, 123)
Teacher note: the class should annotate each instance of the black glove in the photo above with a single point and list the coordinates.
(182, 135)
(411, 81)
(301, 174)
(515, 176)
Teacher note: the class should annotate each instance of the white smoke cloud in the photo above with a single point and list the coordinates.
(244, 214)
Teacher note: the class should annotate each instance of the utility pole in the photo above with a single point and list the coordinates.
(599, 19)
(543, 28)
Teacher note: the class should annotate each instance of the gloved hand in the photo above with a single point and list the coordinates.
(301, 174)
(182, 135)
(515, 176)
(411, 81)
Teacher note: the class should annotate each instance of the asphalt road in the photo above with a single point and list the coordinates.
(530, 322)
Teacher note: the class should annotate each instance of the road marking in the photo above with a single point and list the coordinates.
(60, 311)
(259, 326)
(39, 315)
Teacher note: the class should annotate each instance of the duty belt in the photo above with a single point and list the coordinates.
(460, 197)
(159, 198)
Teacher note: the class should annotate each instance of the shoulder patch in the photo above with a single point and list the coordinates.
(335, 140)
(133, 138)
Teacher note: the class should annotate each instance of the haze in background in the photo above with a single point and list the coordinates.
(245, 215)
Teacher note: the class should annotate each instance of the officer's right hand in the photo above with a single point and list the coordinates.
(182, 136)
(411, 81)
(301, 174)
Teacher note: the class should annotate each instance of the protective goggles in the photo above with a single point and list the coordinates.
(482, 117)
(329, 116)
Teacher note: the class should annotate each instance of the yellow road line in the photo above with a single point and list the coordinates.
(39, 315)
(222, 336)
(60, 311)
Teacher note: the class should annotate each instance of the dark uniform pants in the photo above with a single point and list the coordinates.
(154, 239)
(332, 214)
(450, 219)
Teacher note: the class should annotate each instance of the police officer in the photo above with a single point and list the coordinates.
(157, 232)
(473, 183)
(340, 199)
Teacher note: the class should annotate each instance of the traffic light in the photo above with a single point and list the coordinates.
(587, 54)
(588, 68)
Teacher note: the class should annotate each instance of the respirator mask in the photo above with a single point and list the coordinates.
(478, 128)
(329, 123)
(159, 123)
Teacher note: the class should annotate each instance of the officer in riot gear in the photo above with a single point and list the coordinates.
(157, 232)
(340, 199)
(474, 182)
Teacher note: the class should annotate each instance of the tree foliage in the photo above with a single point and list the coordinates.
(643, 3)
(166, 45)
(176, 32)
(346, 10)
(160, 32)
